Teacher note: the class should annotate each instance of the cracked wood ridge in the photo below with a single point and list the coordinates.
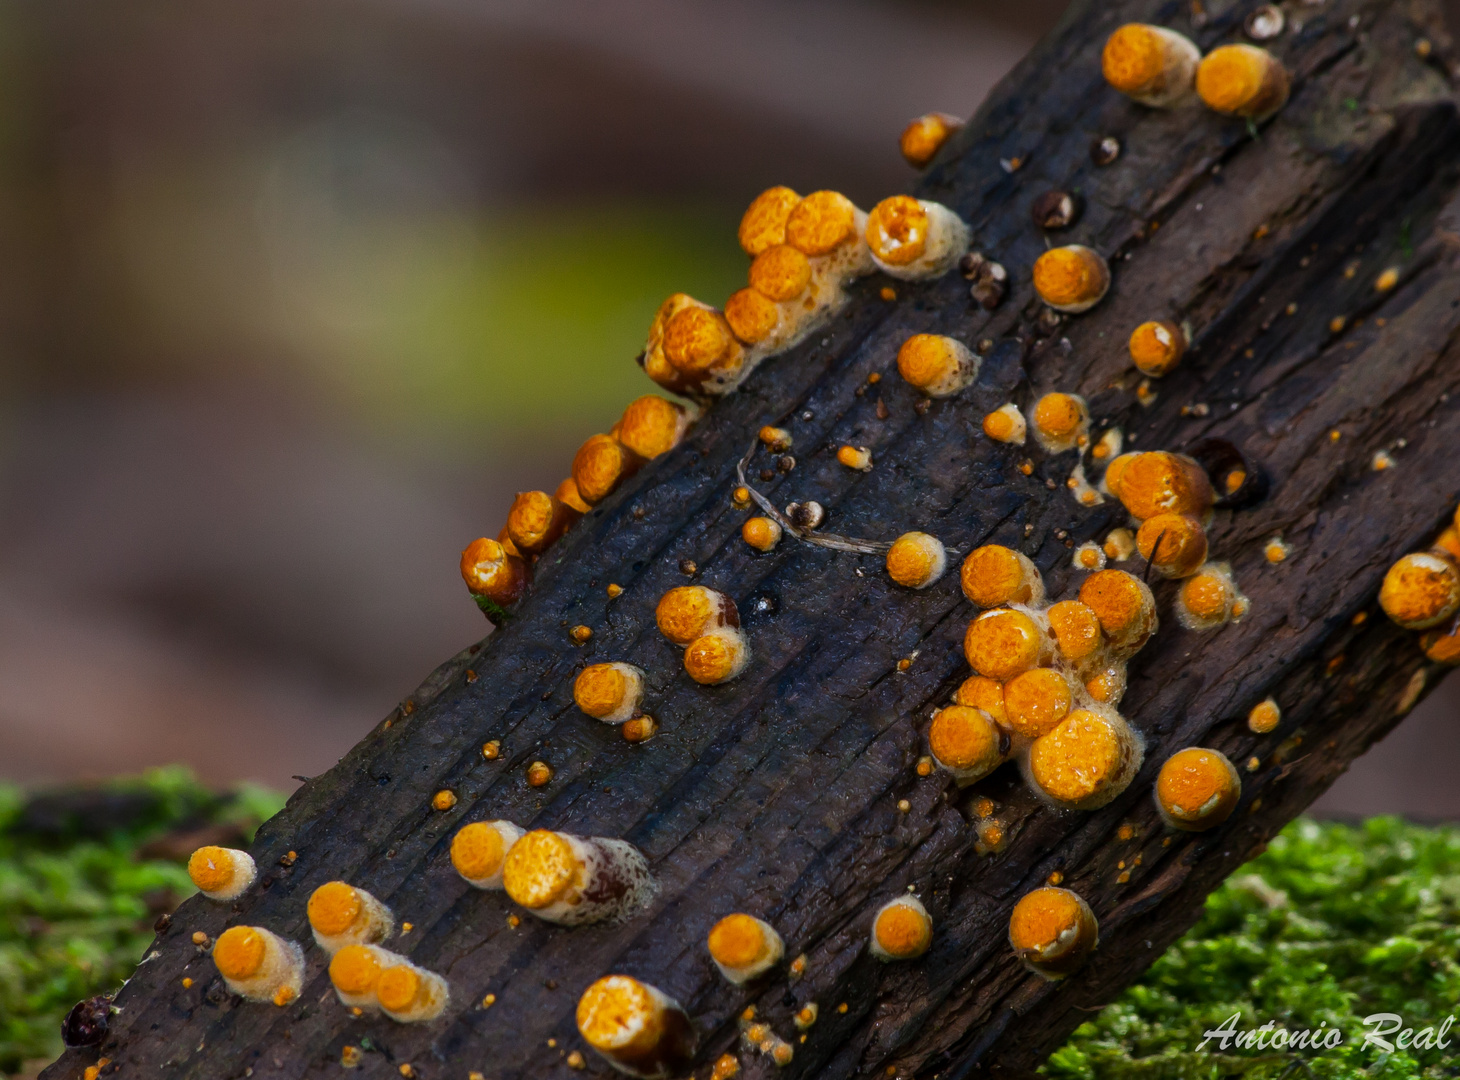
(778, 793)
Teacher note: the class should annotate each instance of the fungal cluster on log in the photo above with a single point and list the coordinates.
(1042, 690)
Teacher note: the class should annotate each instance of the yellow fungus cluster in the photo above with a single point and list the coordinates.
(1046, 682)
(1161, 68)
(340, 915)
(371, 978)
(479, 851)
(705, 622)
(1421, 591)
(259, 965)
(636, 1027)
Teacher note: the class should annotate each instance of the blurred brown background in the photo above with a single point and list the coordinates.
(294, 297)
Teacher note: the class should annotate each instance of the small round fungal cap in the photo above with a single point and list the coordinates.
(1264, 717)
(211, 868)
(966, 742)
(652, 426)
(609, 692)
(1006, 425)
(1036, 701)
(1197, 789)
(1157, 347)
(636, 1027)
(354, 970)
(764, 223)
(1086, 761)
(240, 951)
(1208, 598)
(717, 656)
(1150, 64)
(1052, 930)
(687, 612)
(1071, 279)
(923, 137)
(567, 494)
(753, 316)
(1421, 590)
(490, 571)
(743, 947)
(697, 341)
(1076, 630)
(540, 868)
(1003, 643)
(1124, 605)
(536, 520)
(994, 575)
(901, 930)
(1242, 80)
(333, 908)
(916, 560)
(600, 465)
(855, 457)
(1175, 544)
(1119, 545)
(761, 533)
(1158, 482)
(897, 230)
(1060, 420)
(1088, 556)
(479, 851)
(821, 223)
(936, 365)
(780, 273)
(981, 692)
(1442, 646)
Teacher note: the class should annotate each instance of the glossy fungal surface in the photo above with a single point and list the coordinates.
(1088, 759)
(1071, 279)
(652, 426)
(764, 223)
(571, 880)
(1421, 590)
(743, 947)
(1004, 642)
(221, 873)
(479, 851)
(1159, 482)
(610, 692)
(717, 656)
(761, 533)
(1242, 80)
(1059, 421)
(341, 914)
(981, 692)
(1088, 556)
(994, 575)
(1209, 598)
(1264, 717)
(354, 970)
(936, 365)
(1053, 931)
(925, 135)
(410, 994)
(1077, 631)
(601, 464)
(1036, 701)
(967, 743)
(1124, 605)
(490, 571)
(916, 560)
(259, 965)
(915, 239)
(1150, 64)
(1006, 425)
(1156, 347)
(536, 520)
(686, 612)
(636, 1027)
(1197, 789)
(902, 929)
(1174, 544)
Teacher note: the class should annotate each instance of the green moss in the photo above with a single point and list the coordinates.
(1332, 924)
(76, 903)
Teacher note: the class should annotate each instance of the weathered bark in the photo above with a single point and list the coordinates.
(779, 793)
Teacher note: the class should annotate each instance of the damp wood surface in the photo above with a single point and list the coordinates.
(778, 793)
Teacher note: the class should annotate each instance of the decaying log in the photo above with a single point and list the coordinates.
(781, 792)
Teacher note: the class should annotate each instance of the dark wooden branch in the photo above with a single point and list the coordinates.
(779, 793)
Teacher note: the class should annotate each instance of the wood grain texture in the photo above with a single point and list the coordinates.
(778, 793)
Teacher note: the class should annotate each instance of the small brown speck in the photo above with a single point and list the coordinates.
(575, 1060)
(1422, 48)
(1123, 877)
(471, 676)
(580, 634)
(842, 1007)
(289, 858)
(614, 591)
(406, 927)
(1104, 150)
(489, 1001)
(187, 984)
(638, 513)
(639, 729)
(903, 805)
(925, 766)
(883, 412)
(1166, 842)
(922, 406)
(444, 799)
(1055, 878)
(888, 293)
(1050, 484)
(1359, 619)
(199, 938)
(785, 463)
(1255, 807)
(767, 475)
(539, 773)
(492, 750)
(1335, 664)
(513, 921)
(351, 1056)
(688, 567)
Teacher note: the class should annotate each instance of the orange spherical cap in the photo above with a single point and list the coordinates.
(1084, 754)
(994, 575)
(651, 426)
(764, 223)
(1043, 917)
(923, 137)
(903, 931)
(211, 868)
(599, 689)
(916, 560)
(897, 230)
(1076, 629)
(964, 738)
(1003, 643)
(780, 272)
(239, 952)
(1206, 596)
(1421, 590)
(333, 907)
(478, 851)
(1156, 347)
(1058, 416)
(761, 533)
(540, 868)
(1157, 482)
(354, 969)
(686, 612)
(1197, 785)
(1241, 80)
(600, 465)
(1134, 59)
(1176, 544)
(981, 692)
(1036, 701)
(397, 988)
(1070, 278)
(697, 340)
(752, 316)
(821, 223)
(738, 941)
